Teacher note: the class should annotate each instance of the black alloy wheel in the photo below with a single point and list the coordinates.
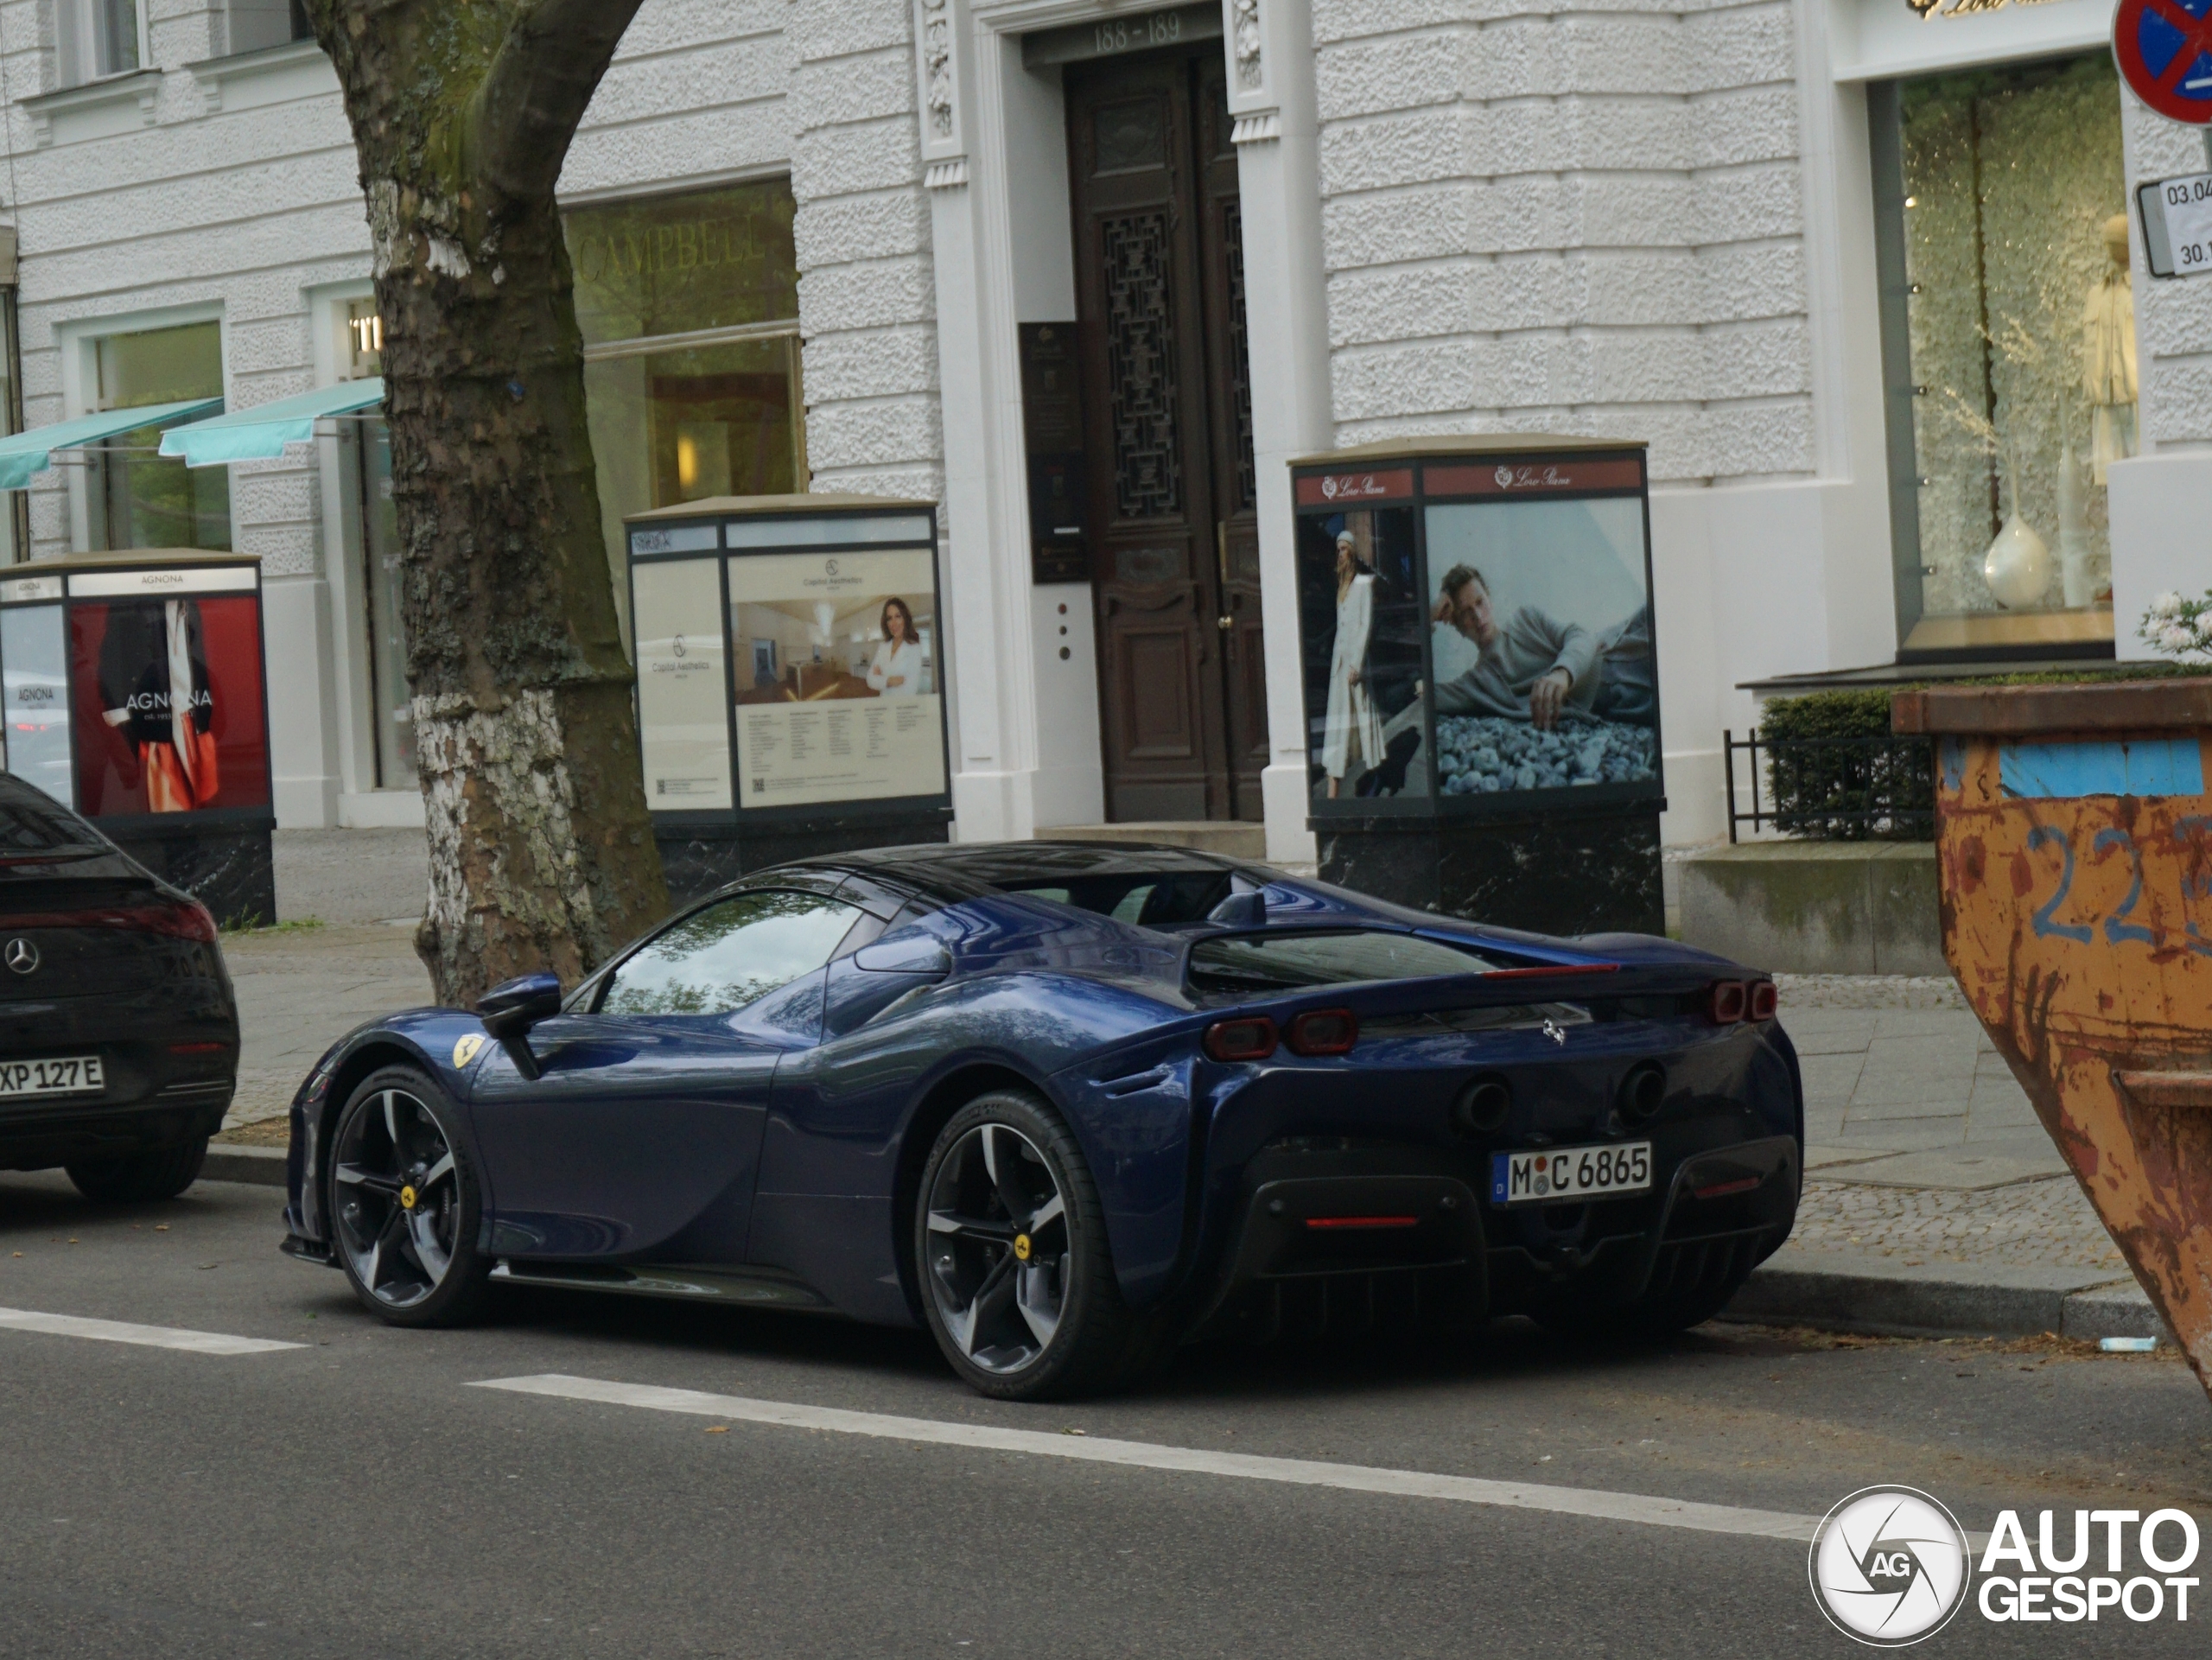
(403, 1202)
(1010, 1244)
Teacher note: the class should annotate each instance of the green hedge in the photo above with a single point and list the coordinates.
(1837, 774)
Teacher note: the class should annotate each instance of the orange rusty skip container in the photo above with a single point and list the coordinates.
(2074, 847)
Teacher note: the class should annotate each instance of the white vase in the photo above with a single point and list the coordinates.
(2076, 571)
(2018, 568)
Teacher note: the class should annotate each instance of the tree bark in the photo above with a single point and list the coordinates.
(542, 853)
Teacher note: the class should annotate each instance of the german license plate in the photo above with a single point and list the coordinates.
(1555, 1174)
(75, 1075)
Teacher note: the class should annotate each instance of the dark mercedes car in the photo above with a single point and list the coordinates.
(119, 1035)
(1067, 1105)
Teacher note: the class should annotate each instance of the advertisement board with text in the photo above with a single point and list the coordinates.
(836, 658)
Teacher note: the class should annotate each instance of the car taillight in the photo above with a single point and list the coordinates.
(1251, 1037)
(1322, 1032)
(184, 919)
(190, 921)
(1765, 1000)
(1725, 1002)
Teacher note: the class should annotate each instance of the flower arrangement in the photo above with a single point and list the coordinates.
(2177, 626)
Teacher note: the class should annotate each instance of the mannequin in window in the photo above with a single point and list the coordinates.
(2108, 356)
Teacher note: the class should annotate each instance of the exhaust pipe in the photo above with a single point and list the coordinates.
(1642, 1092)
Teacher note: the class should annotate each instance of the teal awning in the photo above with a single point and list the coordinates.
(261, 433)
(27, 453)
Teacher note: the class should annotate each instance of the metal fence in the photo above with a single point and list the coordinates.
(1845, 789)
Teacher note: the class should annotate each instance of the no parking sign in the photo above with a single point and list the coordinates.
(2163, 48)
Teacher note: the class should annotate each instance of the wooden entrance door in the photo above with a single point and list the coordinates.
(1173, 532)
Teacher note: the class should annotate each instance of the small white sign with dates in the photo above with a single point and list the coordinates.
(2178, 225)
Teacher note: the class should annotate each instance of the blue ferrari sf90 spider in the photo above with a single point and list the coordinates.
(1069, 1105)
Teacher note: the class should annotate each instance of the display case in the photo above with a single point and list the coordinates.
(133, 690)
(790, 695)
(1480, 677)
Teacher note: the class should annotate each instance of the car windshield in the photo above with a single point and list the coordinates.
(1159, 901)
(35, 829)
(1248, 962)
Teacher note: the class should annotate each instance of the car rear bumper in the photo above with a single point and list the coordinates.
(39, 1135)
(1351, 1237)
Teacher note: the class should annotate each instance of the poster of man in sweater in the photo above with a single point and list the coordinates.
(1541, 646)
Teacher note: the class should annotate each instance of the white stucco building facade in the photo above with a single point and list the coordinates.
(1667, 222)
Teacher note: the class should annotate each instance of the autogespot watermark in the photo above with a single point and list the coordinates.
(1890, 1566)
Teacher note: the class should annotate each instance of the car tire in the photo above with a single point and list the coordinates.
(405, 1205)
(1016, 1276)
(1688, 1299)
(141, 1179)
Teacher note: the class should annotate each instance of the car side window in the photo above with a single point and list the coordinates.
(726, 955)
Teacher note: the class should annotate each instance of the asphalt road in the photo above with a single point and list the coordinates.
(355, 1495)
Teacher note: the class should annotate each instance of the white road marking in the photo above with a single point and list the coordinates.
(1353, 1478)
(154, 1337)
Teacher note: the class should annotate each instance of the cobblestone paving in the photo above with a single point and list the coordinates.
(2029, 1224)
(2043, 1223)
(1867, 991)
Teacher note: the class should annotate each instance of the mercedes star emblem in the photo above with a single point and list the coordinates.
(21, 956)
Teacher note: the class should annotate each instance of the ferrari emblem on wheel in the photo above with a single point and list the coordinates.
(407, 1198)
(1022, 1247)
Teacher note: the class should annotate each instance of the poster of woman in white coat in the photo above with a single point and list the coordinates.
(897, 670)
(1362, 625)
(1352, 737)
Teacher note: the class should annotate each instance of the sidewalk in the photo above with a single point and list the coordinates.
(1932, 1199)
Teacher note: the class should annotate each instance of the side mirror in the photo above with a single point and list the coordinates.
(511, 1008)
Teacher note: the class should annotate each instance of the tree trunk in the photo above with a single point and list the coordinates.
(541, 854)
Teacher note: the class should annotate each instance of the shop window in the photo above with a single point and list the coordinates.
(689, 306)
(2008, 353)
(257, 25)
(139, 499)
(97, 38)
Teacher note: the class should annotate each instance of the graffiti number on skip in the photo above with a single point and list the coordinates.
(2044, 926)
(2116, 929)
(2194, 882)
